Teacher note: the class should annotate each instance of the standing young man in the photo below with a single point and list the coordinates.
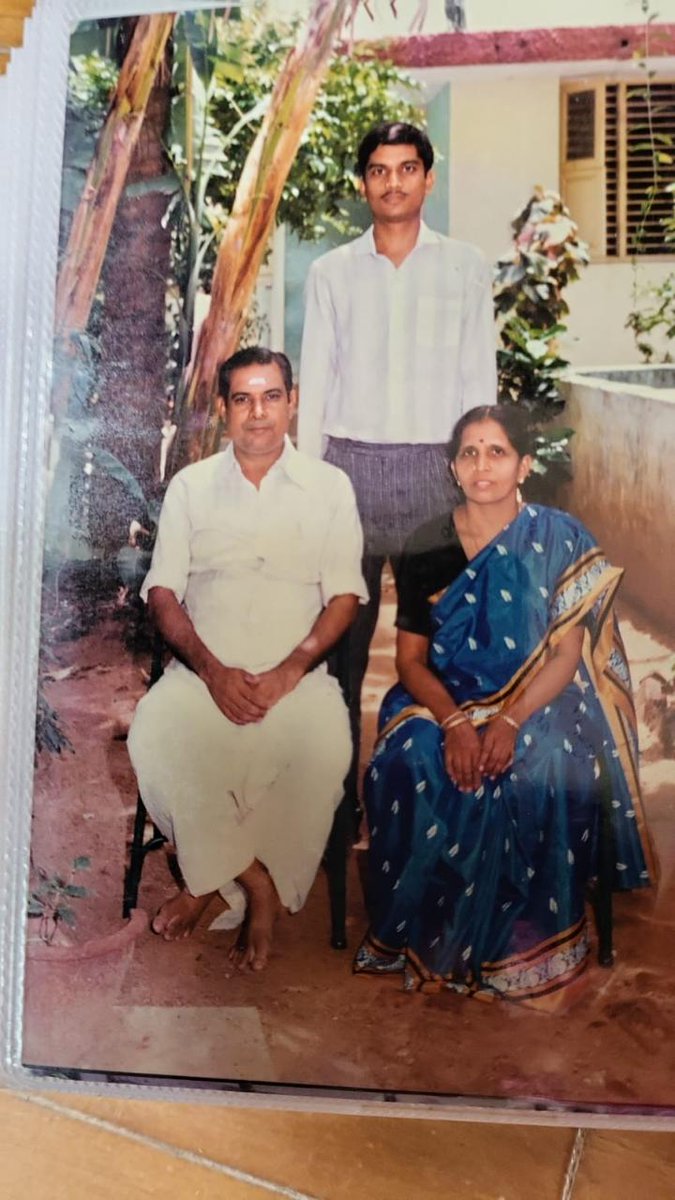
(398, 342)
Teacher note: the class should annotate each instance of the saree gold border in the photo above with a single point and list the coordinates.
(603, 623)
(412, 710)
(603, 643)
(621, 689)
(618, 706)
(423, 972)
(485, 995)
(437, 595)
(606, 584)
(617, 703)
(381, 947)
(528, 956)
(549, 986)
(615, 707)
(578, 567)
(429, 981)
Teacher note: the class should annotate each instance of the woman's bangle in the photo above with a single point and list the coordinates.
(509, 720)
(453, 719)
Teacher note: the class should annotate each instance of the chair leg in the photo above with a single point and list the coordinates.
(335, 862)
(339, 665)
(138, 851)
(602, 895)
(132, 875)
(346, 820)
(139, 847)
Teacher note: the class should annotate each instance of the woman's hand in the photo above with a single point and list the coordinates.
(499, 743)
(462, 756)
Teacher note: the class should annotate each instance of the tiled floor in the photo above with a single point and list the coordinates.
(64, 1147)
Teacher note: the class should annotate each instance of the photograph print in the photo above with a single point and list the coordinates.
(355, 697)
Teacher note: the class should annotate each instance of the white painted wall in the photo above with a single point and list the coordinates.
(532, 14)
(490, 14)
(599, 305)
(503, 140)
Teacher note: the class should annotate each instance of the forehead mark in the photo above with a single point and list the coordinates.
(256, 379)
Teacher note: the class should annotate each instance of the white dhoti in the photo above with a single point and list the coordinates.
(227, 794)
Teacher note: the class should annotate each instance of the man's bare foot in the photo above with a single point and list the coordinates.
(252, 947)
(178, 915)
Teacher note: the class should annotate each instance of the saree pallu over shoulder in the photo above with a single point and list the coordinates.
(485, 892)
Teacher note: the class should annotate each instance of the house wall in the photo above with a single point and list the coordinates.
(437, 212)
(622, 454)
(299, 257)
(504, 137)
(382, 19)
(532, 14)
(600, 302)
(503, 140)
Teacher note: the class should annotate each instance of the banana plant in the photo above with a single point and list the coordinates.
(81, 264)
(251, 220)
(198, 148)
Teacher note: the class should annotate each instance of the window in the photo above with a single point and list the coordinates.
(618, 158)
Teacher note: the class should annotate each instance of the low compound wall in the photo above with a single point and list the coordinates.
(623, 454)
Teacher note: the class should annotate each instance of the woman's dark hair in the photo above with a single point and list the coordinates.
(513, 420)
(394, 133)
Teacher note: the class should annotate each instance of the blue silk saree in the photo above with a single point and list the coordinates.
(484, 892)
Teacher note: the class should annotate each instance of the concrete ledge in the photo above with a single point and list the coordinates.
(623, 455)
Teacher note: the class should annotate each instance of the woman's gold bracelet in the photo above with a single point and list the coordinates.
(509, 720)
(453, 719)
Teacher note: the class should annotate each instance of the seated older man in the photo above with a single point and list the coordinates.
(242, 746)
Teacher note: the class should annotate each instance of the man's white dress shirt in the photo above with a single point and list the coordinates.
(254, 567)
(395, 354)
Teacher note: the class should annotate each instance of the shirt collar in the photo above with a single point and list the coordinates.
(290, 463)
(365, 244)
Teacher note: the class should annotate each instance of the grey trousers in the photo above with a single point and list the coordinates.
(398, 487)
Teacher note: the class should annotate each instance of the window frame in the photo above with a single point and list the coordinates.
(575, 171)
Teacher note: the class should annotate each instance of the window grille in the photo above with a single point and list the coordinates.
(618, 152)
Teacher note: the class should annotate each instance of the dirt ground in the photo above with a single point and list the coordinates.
(151, 1007)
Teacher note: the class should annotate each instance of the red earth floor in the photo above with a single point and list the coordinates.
(181, 1009)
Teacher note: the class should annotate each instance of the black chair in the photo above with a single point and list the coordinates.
(600, 893)
(335, 855)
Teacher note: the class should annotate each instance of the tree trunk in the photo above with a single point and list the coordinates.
(92, 223)
(133, 339)
(252, 219)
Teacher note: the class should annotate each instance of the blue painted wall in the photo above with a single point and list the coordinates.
(436, 209)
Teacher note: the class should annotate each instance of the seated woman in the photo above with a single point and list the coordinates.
(512, 718)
